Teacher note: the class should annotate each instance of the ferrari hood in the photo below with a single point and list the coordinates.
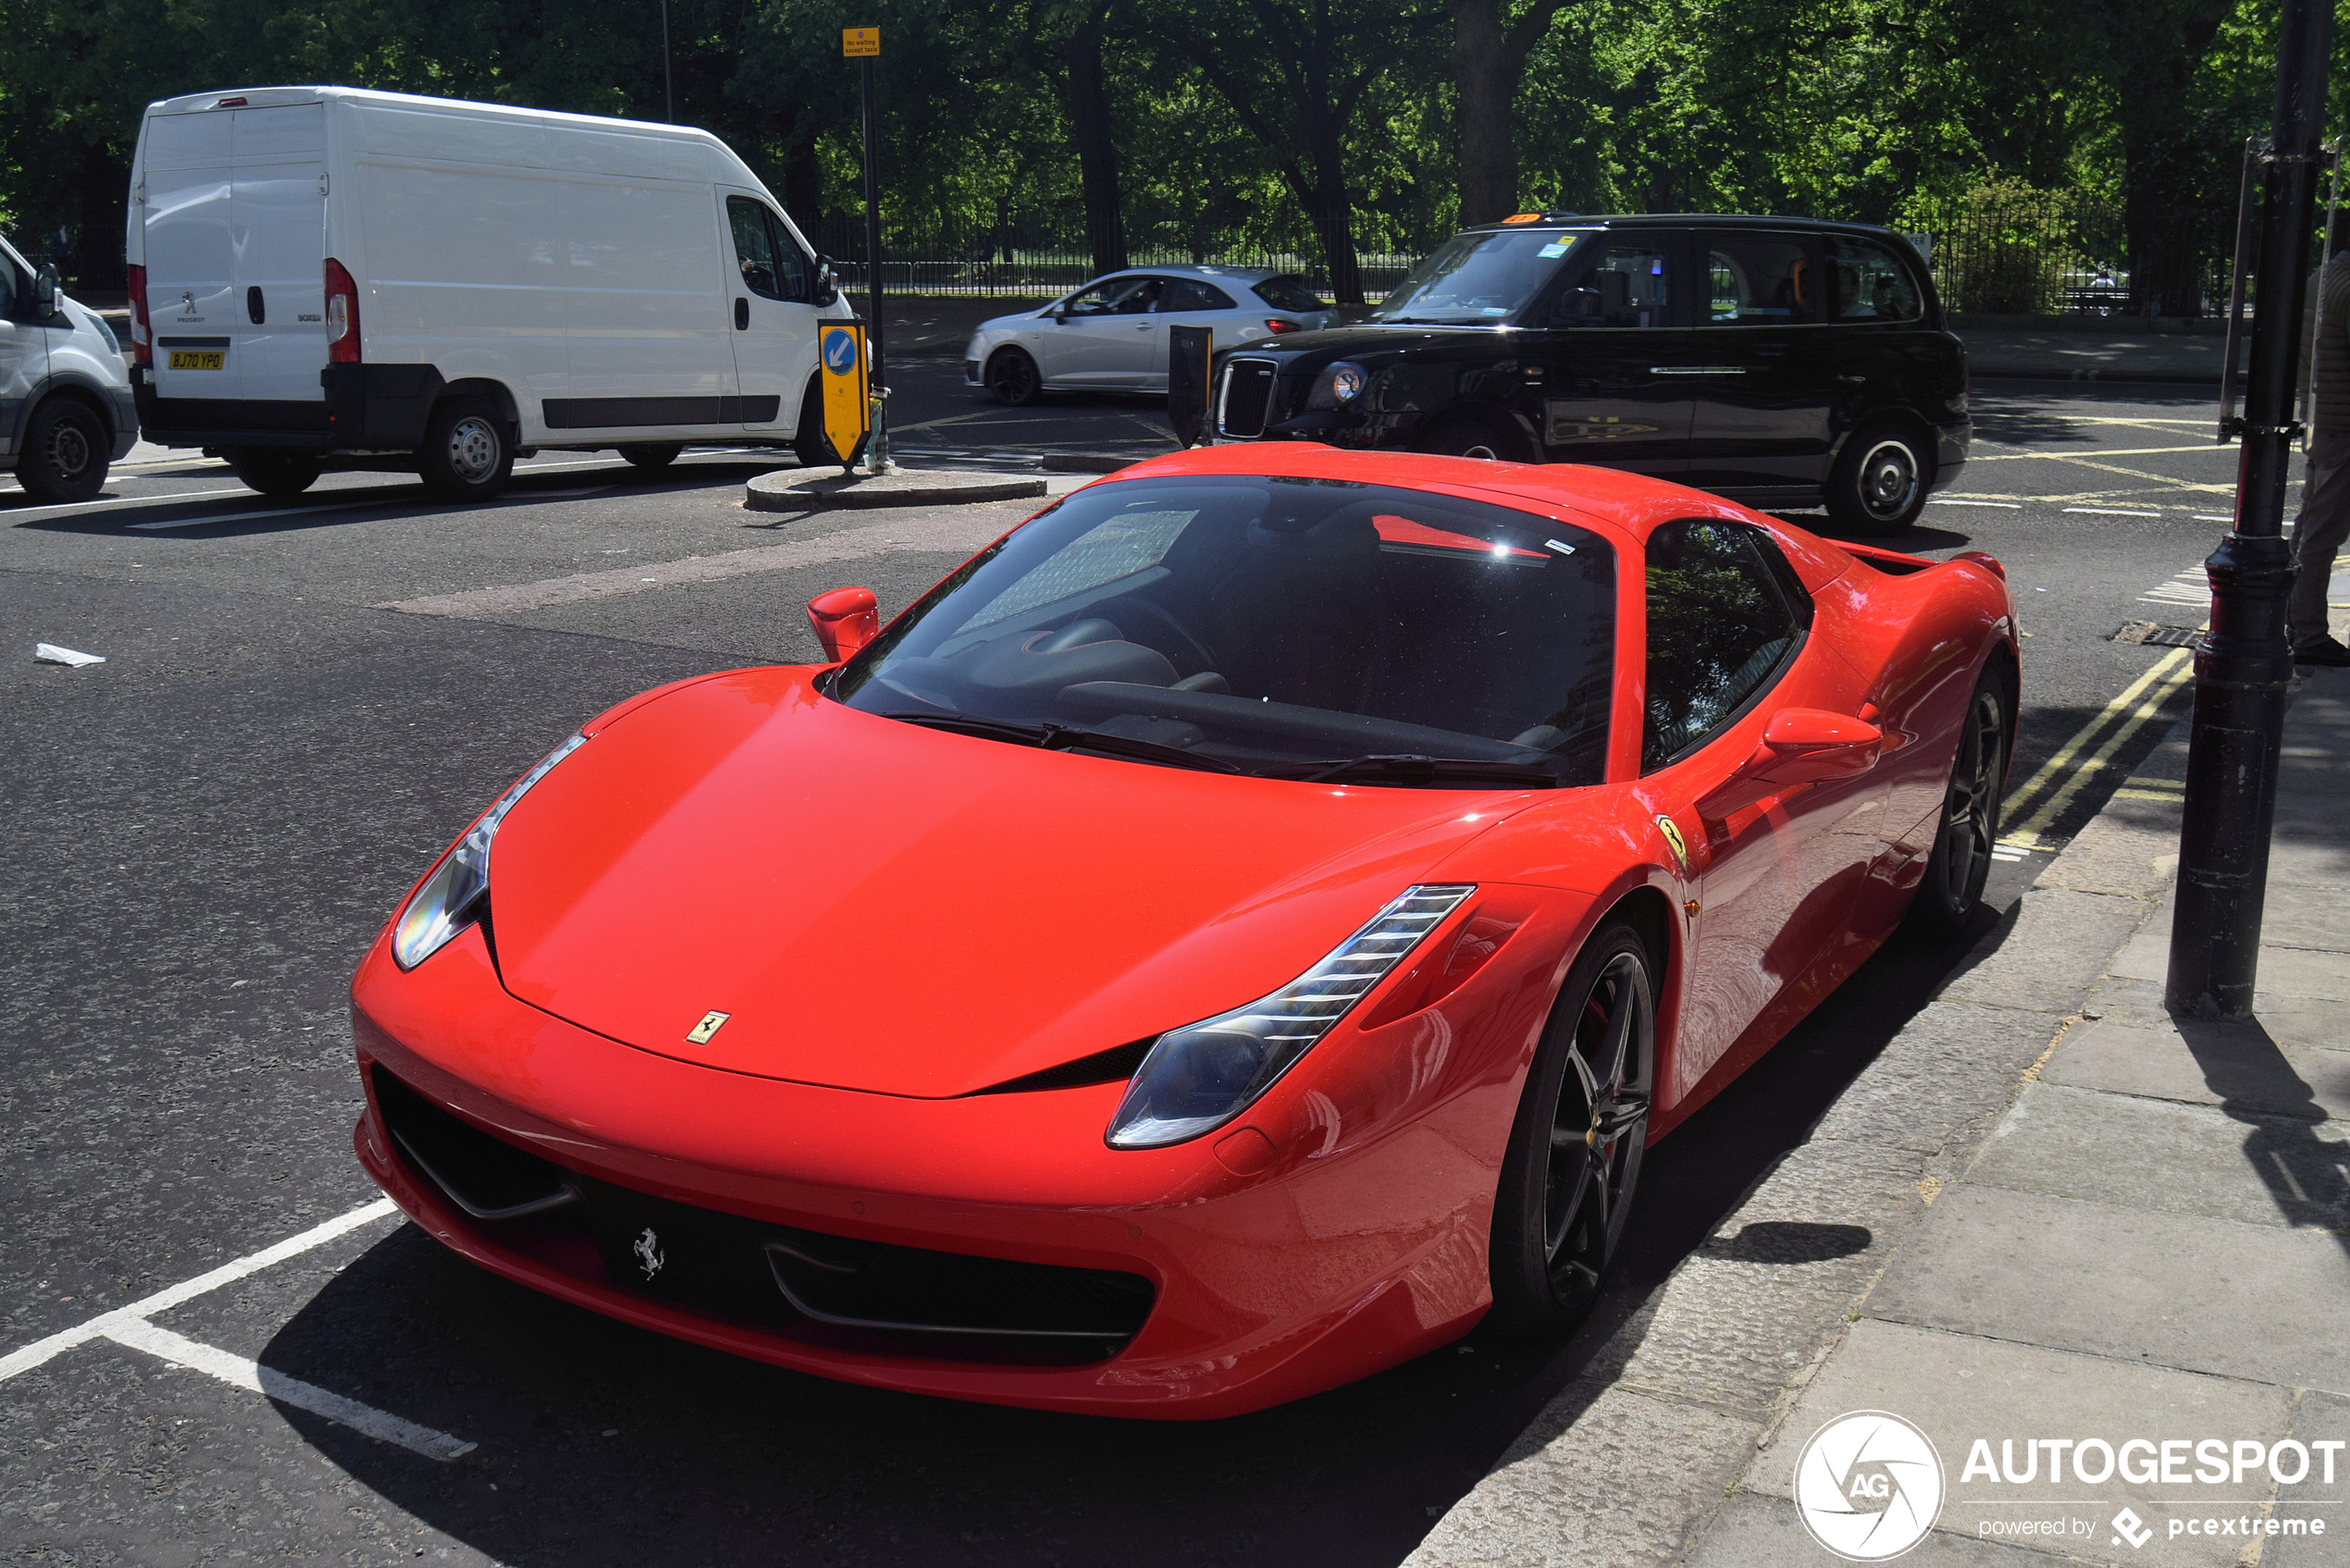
(878, 907)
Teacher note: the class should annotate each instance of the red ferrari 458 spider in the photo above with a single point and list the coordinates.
(1239, 930)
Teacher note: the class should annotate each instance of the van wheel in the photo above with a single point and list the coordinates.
(1879, 484)
(1573, 1161)
(467, 453)
(811, 446)
(274, 473)
(1468, 436)
(660, 455)
(65, 453)
(1013, 378)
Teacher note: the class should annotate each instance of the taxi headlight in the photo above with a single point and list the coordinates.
(1339, 383)
(1200, 1076)
(455, 895)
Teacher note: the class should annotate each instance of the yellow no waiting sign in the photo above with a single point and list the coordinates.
(859, 40)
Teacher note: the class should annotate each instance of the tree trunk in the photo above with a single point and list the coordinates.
(804, 185)
(2160, 150)
(1485, 81)
(1091, 129)
(103, 180)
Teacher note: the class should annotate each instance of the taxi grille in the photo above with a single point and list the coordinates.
(1242, 403)
(803, 1284)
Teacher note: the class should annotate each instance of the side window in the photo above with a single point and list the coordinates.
(792, 266)
(1760, 279)
(1870, 283)
(1722, 619)
(1190, 293)
(1119, 296)
(755, 248)
(8, 289)
(1625, 287)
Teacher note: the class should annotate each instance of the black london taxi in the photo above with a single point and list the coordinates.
(1778, 361)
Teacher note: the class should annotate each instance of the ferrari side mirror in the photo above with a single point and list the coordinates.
(845, 620)
(1801, 746)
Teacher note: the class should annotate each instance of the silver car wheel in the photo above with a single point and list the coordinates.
(473, 449)
(1889, 480)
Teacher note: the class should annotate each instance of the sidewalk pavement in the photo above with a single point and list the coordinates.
(2048, 1211)
(2058, 354)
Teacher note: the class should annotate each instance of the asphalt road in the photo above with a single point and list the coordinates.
(205, 830)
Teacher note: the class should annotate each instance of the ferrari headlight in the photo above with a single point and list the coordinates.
(1339, 383)
(1198, 1078)
(451, 898)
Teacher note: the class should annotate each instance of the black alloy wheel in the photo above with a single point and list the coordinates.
(1487, 441)
(468, 453)
(1969, 826)
(1013, 378)
(1575, 1147)
(65, 453)
(1880, 482)
(658, 454)
(274, 473)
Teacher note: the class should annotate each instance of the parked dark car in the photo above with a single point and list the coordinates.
(1778, 362)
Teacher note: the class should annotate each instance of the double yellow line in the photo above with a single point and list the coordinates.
(2048, 791)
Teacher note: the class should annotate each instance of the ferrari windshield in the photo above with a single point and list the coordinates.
(1484, 275)
(1289, 627)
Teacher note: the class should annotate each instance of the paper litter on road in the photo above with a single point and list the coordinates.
(50, 653)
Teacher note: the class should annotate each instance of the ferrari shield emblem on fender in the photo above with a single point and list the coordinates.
(1673, 842)
(649, 1257)
(711, 1024)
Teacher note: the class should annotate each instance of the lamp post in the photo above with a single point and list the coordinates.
(2245, 667)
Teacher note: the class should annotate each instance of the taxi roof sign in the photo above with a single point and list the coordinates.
(857, 41)
(1523, 218)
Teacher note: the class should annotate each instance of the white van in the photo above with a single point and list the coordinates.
(65, 404)
(327, 278)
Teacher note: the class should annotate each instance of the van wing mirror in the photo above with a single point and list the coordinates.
(48, 293)
(1801, 746)
(845, 620)
(827, 283)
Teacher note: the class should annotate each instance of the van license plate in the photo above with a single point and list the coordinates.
(190, 359)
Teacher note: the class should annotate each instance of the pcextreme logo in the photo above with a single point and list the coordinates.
(1868, 1485)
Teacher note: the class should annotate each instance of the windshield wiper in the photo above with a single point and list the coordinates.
(1408, 768)
(1051, 736)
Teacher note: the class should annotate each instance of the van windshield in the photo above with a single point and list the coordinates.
(1278, 626)
(1481, 276)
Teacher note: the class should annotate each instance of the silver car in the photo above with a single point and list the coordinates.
(1111, 335)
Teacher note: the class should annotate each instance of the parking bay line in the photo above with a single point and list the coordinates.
(946, 535)
(130, 1326)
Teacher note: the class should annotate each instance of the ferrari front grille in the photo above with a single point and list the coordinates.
(487, 1177)
(911, 1289)
(1241, 401)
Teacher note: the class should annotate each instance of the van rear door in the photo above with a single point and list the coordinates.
(277, 218)
(191, 260)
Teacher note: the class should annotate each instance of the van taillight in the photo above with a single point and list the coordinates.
(342, 315)
(142, 342)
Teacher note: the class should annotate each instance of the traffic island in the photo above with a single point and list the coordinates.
(805, 489)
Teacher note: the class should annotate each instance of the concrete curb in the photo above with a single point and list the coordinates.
(794, 489)
(1634, 1461)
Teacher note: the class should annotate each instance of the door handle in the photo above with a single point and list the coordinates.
(742, 314)
(1697, 370)
(254, 310)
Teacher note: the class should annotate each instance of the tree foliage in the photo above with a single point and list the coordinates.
(1220, 127)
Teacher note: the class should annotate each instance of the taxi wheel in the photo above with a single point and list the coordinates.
(1962, 858)
(64, 457)
(1468, 436)
(274, 473)
(1880, 482)
(658, 454)
(1013, 378)
(1575, 1147)
(468, 453)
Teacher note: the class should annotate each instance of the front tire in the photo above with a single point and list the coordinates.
(274, 473)
(1485, 439)
(1880, 481)
(658, 454)
(468, 453)
(1960, 863)
(1012, 377)
(65, 454)
(1575, 1147)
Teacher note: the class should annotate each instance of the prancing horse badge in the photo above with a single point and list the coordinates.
(711, 1024)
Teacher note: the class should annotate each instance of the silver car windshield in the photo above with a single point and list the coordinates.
(1483, 276)
(1278, 626)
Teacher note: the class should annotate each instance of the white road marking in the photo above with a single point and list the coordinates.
(2094, 451)
(221, 494)
(2111, 512)
(2192, 585)
(2208, 517)
(128, 1326)
(1952, 501)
